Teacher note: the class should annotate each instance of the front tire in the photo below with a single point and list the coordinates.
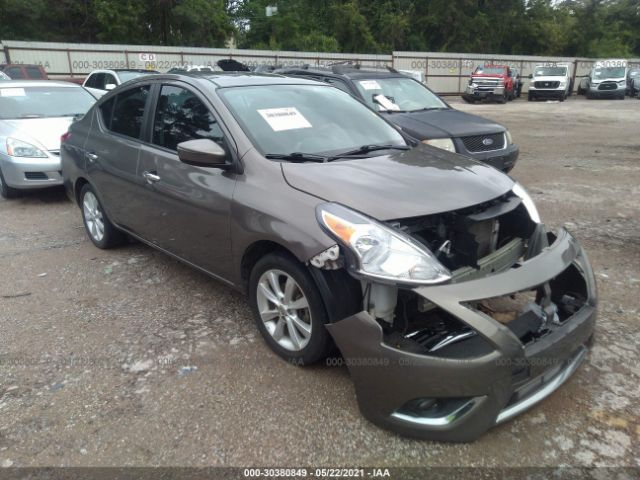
(5, 190)
(530, 97)
(288, 309)
(96, 223)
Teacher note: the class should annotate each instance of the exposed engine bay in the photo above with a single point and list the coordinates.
(473, 243)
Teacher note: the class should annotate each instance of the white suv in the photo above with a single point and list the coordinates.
(550, 81)
(100, 82)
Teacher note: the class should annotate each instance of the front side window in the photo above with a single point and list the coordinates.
(181, 116)
(306, 118)
(40, 102)
(109, 79)
(34, 72)
(128, 111)
(398, 94)
(97, 81)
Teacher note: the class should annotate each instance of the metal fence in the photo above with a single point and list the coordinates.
(445, 73)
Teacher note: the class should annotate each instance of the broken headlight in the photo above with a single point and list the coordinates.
(527, 201)
(379, 251)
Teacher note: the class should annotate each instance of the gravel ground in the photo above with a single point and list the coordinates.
(127, 357)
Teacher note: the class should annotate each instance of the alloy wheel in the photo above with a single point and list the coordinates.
(284, 309)
(93, 217)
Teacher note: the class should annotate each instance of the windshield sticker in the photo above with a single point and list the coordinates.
(370, 85)
(385, 103)
(287, 118)
(12, 92)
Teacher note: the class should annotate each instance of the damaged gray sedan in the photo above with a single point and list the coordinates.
(453, 306)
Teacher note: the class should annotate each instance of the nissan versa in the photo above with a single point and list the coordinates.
(452, 304)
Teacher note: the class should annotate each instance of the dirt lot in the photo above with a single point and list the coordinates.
(127, 357)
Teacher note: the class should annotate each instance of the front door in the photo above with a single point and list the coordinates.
(187, 208)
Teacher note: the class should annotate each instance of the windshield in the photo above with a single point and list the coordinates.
(126, 76)
(36, 102)
(319, 119)
(609, 72)
(490, 70)
(398, 94)
(550, 72)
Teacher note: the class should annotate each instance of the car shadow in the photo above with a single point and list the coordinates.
(50, 195)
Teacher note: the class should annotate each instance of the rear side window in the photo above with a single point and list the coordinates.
(34, 72)
(124, 113)
(14, 72)
(181, 116)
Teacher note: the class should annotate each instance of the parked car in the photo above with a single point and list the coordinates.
(550, 81)
(493, 82)
(100, 82)
(633, 82)
(33, 115)
(18, 71)
(420, 112)
(340, 227)
(194, 69)
(517, 81)
(607, 79)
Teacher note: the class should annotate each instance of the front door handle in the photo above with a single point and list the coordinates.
(92, 157)
(151, 177)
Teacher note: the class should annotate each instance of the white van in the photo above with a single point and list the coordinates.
(607, 79)
(550, 81)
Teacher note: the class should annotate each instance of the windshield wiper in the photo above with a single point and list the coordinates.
(369, 148)
(298, 157)
(427, 109)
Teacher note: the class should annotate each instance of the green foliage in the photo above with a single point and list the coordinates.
(593, 28)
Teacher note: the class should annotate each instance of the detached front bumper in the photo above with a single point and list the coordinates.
(467, 395)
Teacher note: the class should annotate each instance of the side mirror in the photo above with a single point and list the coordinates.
(531, 75)
(202, 152)
(110, 86)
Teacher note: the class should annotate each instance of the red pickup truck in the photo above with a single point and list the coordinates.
(494, 82)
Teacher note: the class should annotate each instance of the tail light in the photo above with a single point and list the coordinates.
(65, 136)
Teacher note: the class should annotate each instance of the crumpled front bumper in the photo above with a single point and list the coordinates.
(476, 393)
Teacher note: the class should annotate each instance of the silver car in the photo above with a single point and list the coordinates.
(33, 116)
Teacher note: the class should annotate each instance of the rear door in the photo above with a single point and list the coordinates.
(112, 154)
(186, 208)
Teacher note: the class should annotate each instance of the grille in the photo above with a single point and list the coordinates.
(35, 176)
(484, 143)
(608, 86)
(487, 83)
(546, 84)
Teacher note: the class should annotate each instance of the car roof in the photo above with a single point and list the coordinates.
(341, 71)
(236, 79)
(39, 83)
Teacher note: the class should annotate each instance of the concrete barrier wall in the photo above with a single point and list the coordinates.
(446, 73)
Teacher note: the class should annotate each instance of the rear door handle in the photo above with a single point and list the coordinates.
(92, 157)
(151, 177)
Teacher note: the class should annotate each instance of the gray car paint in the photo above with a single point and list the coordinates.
(258, 202)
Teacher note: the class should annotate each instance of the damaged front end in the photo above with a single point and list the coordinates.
(504, 322)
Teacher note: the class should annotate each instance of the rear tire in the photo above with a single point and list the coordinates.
(288, 309)
(96, 223)
(5, 190)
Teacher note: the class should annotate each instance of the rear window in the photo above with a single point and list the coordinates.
(14, 72)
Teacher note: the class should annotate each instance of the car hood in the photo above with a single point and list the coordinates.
(43, 132)
(443, 123)
(421, 181)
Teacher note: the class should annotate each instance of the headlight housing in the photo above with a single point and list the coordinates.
(509, 138)
(18, 148)
(378, 251)
(622, 83)
(443, 143)
(527, 201)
